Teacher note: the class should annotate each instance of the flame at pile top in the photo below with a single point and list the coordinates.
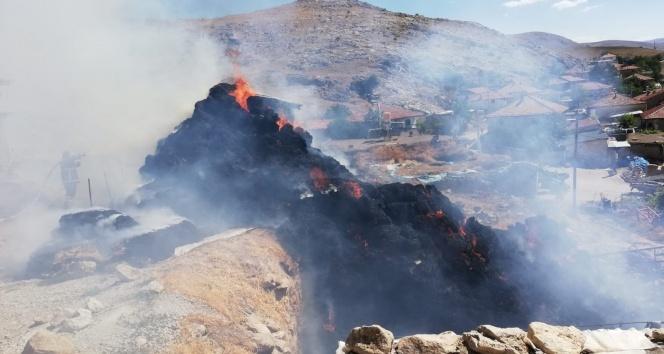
(282, 121)
(242, 92)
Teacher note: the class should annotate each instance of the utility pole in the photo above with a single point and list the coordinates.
(574, 163)
(90, 192)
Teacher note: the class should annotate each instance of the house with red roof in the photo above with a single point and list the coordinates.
(628, 70)
(527, 125)
(652, 98)
(653, 118)
(614, 104)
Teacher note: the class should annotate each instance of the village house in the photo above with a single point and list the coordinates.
(594, 88)
(592, 149)
(401, 116)
(628, 70)
(565, 82)
(614, 104)
(640, 79)
(494, 100)
(652, 98)
(608, 58)
(527, 125)
(653, 118)
(650, 146)
(584, 125)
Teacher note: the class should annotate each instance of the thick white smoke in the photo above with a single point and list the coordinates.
(100, 78)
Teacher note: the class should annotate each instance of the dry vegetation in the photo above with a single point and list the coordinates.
(230, 276)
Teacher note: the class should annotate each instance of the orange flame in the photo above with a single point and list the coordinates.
(354, 189)
(319, 179)
(439, 214)
(242, 92)
(281, 122)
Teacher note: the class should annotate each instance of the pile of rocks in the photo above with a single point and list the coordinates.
(540, 338)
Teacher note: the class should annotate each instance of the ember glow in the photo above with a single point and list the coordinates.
(281, 122)
(242, 92)
(319, 179)
(354, 189)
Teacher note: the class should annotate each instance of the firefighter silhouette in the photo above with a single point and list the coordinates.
(69, 172)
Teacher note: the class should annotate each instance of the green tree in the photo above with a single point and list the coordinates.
(627, 121)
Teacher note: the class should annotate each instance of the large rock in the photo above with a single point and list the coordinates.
(369, 340)
(657, 335)
(81, 319)
(482, 344)
(555, 339)
(45, 342)
(444, 343)
(515, 338)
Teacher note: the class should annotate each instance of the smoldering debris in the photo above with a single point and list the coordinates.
(86, 241)
(398, 254)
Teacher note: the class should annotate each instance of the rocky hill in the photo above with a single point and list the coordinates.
(328, 44)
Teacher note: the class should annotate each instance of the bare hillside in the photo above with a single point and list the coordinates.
(329, 43)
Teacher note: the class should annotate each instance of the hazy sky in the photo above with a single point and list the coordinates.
(581, 20)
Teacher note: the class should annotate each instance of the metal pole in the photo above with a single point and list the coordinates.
(90, 192)
(574, 162)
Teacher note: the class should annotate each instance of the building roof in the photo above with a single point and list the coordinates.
(640, 77)
(584, 125)
(608, 56)
(396, 112)
(507, 92)
(517, 88)
(650, 95)
(629, 67)
(655, 113)
(593, 86)
(615, 99)
(529, 106)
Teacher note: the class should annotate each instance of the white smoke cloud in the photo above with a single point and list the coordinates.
(101, 78)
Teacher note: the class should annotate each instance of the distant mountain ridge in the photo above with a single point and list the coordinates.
(557, 43)
(329, 44)
(658, 43)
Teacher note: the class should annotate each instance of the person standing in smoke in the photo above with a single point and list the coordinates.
(69, 172)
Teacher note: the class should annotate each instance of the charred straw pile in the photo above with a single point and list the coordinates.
(400, 255)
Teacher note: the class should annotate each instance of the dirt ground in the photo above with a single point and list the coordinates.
(236, 294)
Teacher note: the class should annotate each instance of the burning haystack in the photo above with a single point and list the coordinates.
(399, 254)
